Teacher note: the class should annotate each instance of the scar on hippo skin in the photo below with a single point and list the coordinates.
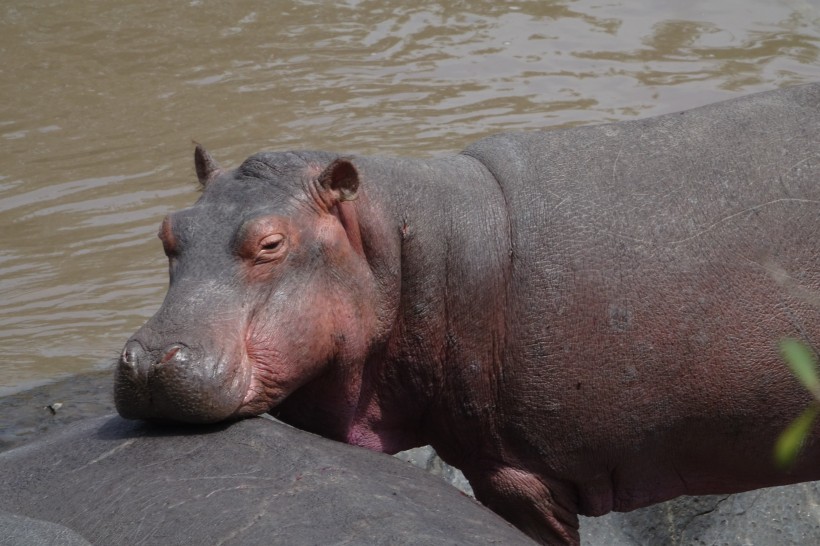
(620, 317)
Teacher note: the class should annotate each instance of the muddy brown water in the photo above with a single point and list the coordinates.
(100, 102)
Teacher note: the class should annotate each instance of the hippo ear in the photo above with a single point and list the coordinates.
(339, 181)
(206, 167)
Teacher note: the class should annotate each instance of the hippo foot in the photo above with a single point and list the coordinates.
(524, 500)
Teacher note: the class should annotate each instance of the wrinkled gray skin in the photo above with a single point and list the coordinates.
(581, 321)
(114, 482)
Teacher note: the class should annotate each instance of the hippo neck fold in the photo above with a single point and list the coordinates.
(436, 233)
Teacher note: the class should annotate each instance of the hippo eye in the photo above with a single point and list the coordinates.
(272, 242)
(270, 247)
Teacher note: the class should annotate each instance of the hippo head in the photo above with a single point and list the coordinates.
(270, 294)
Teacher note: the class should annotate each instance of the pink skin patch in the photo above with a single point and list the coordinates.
(362, 432)
(363, 437)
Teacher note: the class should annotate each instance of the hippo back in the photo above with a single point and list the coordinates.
(655, 266)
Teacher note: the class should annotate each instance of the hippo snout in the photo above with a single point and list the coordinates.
(139, 363)
(175, 382)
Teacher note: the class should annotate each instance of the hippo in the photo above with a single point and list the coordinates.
(582, 320)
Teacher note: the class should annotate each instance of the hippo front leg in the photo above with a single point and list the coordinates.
(523, 499)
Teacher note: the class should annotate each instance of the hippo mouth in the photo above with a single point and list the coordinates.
(181, 384)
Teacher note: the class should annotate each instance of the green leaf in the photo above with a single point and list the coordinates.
(803, 363)
(791, 440)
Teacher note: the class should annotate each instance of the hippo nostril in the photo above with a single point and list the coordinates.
(133, 361)
(175, 354)
(131, 354)
(169, 355)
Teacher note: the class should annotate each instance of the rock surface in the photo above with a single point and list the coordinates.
(112, 481)
(26, 415)
(779, 516)
(19, 530)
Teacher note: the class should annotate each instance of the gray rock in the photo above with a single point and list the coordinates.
(253, 482)
(425, 457)
(18, 530)
(25, 415)
(778, 516)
